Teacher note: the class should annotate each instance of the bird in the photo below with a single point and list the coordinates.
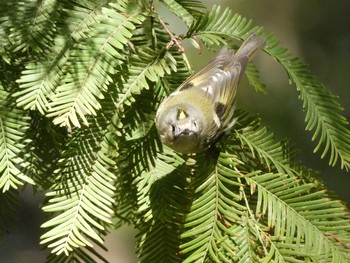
(196, 115)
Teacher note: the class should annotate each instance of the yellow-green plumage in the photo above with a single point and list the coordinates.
(195, 115)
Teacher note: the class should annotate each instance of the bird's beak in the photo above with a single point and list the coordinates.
(177, 131)
(185, 128)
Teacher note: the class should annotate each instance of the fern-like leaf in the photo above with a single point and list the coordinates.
(303, 220)
(275, 155)
(292, 222)
(215, 209)
(322, 108)
(92, 67)
(48, 141)
(216, 27)
(82, 196)
(14, 124)
(252, 74)
(161, 201)
(41, 77)
(31, 25)
(147, 65)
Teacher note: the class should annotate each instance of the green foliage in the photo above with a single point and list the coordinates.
(14, 123)
(186, 10)
(79, 87)
(322, 107)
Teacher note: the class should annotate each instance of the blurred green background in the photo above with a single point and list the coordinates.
(317, 31)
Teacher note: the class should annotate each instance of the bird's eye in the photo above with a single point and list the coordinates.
(195, 124)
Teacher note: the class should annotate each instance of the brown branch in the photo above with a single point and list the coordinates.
(174, 40)
(336, 238)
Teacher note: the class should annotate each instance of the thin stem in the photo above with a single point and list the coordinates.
(174, 40)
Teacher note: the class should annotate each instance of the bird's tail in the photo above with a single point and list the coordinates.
(236, 66)
(252, 45)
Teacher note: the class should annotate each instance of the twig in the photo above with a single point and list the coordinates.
(336, 238)
(174, 40)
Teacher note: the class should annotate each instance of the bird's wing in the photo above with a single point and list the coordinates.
(219, 82)
(220, 77)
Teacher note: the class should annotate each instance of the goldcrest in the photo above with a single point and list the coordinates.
(200, 111)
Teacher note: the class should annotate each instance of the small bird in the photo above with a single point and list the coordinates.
(200, 110)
